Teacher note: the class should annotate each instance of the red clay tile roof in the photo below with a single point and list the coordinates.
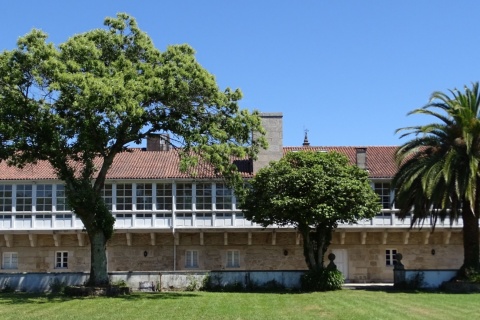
(380, 160)
(139, 164)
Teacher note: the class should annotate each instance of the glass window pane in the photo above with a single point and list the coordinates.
(184, 196)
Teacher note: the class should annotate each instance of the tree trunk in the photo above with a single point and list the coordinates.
(471, 245)
(308, 250)
(98, 221)
(315, 244)
(323, 239)
(98, 263)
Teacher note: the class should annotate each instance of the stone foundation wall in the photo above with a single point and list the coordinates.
(266, 250)
(367, 262)
(149, 280)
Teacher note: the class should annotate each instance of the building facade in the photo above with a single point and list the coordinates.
(168, 221)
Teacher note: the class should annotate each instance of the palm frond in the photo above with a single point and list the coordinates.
(438, 170)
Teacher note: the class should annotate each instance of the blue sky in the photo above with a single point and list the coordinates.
(348, 71)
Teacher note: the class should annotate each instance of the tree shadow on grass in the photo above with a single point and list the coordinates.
(391, 289)
(370, 287)
(42, 298)
(157, 295)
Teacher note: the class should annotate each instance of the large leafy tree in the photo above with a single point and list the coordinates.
(313, 192)
(438, 172)
(80, 104)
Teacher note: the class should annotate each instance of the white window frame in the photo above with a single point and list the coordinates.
(164, 196)
(191, 259)
(61, 198)
(144, 196)
(107, 195)
(233, 259)
(143, 219)
(390, 257)
(124, 197)
(43, 220)
(6, 221)
(24, 198)
(23, 220)
(61, 259)
(383, 190)
(6, 198)
(184, 196)
(203, 196)
(44, 197)
(223, 197)
(63, 220)
(10, 260)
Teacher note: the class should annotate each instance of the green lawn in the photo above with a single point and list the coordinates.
(344, 304)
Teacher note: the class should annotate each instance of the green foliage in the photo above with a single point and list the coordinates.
(193, 283)
(415, 281)
(438, 168)
(215, 284)
(80, 103)
(314, 192)
(472, 275)
(7, 287)
(322, 280)
(119, 283)
(310, 188)
(211, 283)
(57, 286)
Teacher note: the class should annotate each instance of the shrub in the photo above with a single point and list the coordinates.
(472, 275)
(212, 283)
(415, 281)
(193, 284)
(234, 287)
(57, 286)
(7, 288)
(215, 283)
(321, 280)
(119, 283)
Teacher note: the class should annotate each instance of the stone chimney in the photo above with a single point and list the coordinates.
(158, 142)
(272, 122)
(362, 158)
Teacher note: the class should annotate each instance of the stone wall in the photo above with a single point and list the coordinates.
(262, 250)
(367, 262)
(260, 255)
(149, 280)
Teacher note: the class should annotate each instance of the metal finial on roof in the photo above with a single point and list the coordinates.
(305, 140)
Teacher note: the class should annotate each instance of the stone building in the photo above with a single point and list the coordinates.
(168, 221)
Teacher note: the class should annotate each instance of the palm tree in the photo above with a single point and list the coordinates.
(438, 172)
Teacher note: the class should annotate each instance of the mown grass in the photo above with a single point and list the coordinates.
(343, 304)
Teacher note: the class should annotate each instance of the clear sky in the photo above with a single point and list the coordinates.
(349, 71)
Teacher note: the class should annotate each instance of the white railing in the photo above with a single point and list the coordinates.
(390, 219)
(188, 220)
